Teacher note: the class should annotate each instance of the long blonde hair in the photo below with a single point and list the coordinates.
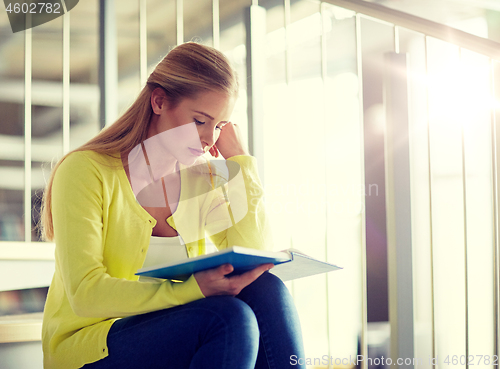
(186, 70)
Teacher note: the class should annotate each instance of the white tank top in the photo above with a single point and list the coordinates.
(164, 250)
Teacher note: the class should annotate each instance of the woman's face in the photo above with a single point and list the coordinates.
(192, 127)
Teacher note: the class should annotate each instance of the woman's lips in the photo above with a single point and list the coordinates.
(196, 152)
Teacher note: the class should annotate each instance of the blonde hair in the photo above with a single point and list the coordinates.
(184, 72)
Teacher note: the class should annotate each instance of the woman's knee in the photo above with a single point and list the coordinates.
(267, 286)
(235, 315)
(269, 280)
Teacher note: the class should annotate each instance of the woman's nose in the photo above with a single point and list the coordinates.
(207, 137)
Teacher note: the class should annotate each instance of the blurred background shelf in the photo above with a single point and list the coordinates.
(21, 328)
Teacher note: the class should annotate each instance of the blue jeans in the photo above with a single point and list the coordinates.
(257, 329)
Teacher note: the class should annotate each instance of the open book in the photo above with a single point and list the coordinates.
(289, 264)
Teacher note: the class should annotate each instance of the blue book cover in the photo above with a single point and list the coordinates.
(241, 258)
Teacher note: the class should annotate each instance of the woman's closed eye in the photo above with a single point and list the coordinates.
(199, 122)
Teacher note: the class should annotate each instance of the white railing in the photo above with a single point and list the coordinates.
(427, 27)
(460, 196)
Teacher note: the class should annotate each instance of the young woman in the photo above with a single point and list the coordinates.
(145, 176)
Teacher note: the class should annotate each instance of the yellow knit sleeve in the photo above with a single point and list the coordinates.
(241, 207)
(84, 204)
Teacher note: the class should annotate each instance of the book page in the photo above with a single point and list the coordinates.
(301, 266)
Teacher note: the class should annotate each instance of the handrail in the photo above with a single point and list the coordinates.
(429, 28)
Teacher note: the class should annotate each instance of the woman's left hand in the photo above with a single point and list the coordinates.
(230, 142)
(217, 282)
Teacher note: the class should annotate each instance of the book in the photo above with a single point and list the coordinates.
(288, 264)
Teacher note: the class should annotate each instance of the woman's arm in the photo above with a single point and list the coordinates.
(243, 200)
(95, 285)
(243, 217)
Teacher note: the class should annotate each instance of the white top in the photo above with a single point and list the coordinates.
(165, 250)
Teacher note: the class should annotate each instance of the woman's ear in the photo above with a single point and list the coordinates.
(159, 100)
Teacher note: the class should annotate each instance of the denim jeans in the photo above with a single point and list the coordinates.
(259, 328)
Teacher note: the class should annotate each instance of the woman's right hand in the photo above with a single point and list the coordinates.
(215, 282)
(230, 142)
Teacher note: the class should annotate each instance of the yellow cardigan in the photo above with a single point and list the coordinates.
(102, 235)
